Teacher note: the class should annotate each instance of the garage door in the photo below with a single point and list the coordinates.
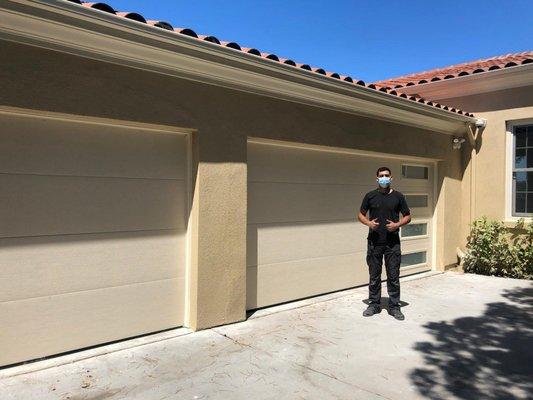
(92, 234)
(303, 235)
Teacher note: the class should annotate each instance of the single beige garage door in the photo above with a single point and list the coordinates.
(303, 235)
(93, 221)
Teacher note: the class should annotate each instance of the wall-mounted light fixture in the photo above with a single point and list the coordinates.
(457, 142)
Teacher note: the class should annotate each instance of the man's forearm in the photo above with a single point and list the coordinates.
(363, 219)
(405, 220)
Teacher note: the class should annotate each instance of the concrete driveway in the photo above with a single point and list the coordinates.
(465, 336)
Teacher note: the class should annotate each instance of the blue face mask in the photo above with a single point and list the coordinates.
(384, 181)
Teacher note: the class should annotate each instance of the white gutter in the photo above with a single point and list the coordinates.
(67, 27)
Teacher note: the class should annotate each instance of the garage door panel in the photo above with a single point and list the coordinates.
(421, 213)
(285, 164)
(273, 163)
(285, 202)
(280, 202)
(303, 278)
(51, 147)
(412, 185)
(405, 271)
(277, 243)
(413, 270)
(51, 205)
(414, 244)
(42, 326)
(425, 188)
(45, 266)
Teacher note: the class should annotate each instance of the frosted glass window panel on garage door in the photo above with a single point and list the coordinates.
(414, 230)
(416, 258)
(415, 171)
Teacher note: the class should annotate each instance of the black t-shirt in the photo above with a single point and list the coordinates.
(383, 206)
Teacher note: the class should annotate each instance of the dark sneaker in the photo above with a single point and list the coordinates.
(396, 313)
(371, 310)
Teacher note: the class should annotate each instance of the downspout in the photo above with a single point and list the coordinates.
(472, 139)
(473, 132)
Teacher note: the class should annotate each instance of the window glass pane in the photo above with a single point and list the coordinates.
(413, 258)
(520, 181)
(520, 158)
(414, 230)
(523, 180)
(521, 135)
(414, 172)
(416, 200)
(520, 202)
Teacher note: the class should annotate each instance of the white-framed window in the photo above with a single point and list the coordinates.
(519, 169)
(415, 171)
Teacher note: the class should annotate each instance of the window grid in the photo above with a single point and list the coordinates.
(523, 170)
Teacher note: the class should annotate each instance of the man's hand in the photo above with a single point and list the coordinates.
(392, 226)
(373, 224)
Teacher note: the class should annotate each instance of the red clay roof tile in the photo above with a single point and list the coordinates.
(161, 24)
(459, 70)
(100, 6)
(132, 15)
(254, 52)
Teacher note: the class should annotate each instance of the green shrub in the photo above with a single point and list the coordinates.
(493, 249)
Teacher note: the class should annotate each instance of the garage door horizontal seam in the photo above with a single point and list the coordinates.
(90, 290)
(90, 176)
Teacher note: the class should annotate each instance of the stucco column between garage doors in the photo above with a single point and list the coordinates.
(217, 278)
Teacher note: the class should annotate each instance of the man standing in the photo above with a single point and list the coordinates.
(385, 204)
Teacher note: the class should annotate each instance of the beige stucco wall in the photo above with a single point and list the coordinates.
(223, 119)
(483, 189)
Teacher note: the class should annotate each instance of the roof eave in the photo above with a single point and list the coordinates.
(483, 82)
(64, 26)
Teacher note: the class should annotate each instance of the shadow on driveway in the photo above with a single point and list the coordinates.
(485, 357)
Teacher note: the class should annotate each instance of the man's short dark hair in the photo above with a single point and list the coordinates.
(383, 169)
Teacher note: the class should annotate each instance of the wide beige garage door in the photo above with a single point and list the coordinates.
(303, 235)
(92, 234)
